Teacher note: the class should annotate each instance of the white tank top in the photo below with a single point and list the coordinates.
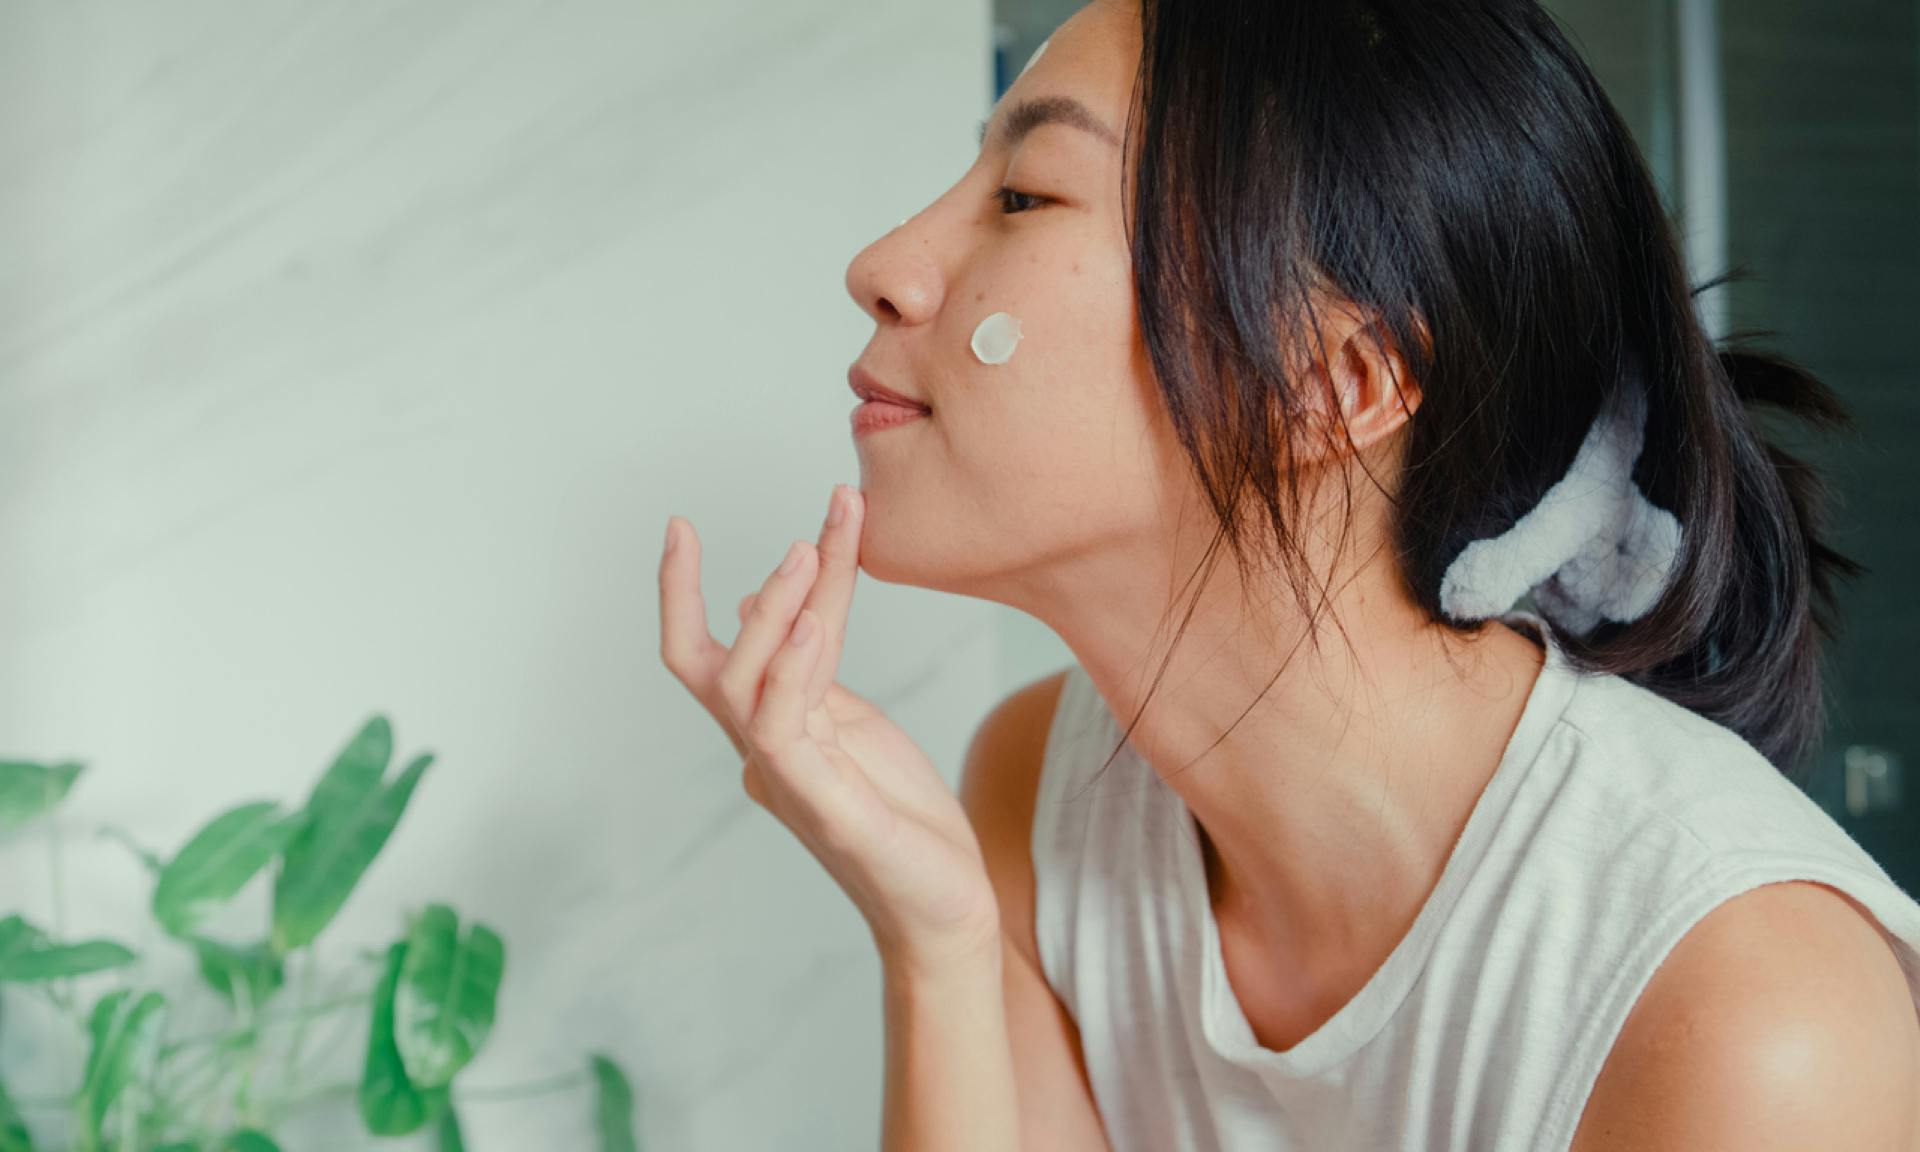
(1614, 822)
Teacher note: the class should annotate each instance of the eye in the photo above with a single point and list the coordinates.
(1012, 201)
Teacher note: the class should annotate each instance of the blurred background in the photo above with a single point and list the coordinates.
(352, 357)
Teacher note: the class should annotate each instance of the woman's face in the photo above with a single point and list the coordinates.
(1064, 450)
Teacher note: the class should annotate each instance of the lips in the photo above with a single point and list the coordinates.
(867, 388)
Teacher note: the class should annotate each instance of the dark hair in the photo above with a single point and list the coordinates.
(1453, 168)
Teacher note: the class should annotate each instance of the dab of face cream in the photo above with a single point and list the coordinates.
(994, 339)
(1035, 56)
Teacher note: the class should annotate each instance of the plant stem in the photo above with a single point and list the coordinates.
(182, 1083)
(62, 999)
(518, 1091)
(148, 859)
(253, 1019)
(300, 1027)
(341, 1030)
(57, 875)
(129, 1114)
(247, 1034)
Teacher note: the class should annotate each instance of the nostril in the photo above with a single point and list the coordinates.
(887, 309)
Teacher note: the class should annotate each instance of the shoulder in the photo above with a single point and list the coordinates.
(1782, 1019)
(1660, 769)
(998, 784)
(1672, 789)
(1626, 721)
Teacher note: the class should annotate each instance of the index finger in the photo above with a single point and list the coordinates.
(832, 592)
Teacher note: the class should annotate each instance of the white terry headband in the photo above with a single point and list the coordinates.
(1593, 549)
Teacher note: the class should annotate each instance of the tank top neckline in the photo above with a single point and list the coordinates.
(1224, 1023)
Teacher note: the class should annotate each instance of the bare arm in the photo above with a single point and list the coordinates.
(949, 1063)
(1780, 1021)
(981, 1054)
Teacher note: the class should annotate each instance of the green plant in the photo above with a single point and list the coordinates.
(429, 996)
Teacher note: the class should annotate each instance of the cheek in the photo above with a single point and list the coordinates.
(995, 338)
(1070, 405)
(1044, 354)
(1045, 305)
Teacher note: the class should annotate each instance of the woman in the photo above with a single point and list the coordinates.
(1378, 299)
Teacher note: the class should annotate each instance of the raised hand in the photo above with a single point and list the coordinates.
(852, 786)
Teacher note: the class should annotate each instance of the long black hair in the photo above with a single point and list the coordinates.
(1454, 168)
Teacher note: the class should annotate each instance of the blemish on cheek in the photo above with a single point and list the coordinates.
(979, 296)
(994, 340)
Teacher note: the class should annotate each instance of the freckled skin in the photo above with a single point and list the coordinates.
(950, 501)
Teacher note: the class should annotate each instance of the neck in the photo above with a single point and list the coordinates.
(1329, 809)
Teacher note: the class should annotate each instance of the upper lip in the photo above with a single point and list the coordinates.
(867, 388)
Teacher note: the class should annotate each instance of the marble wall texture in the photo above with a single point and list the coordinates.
(352, 357)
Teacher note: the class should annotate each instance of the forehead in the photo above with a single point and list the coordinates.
(1090, 58)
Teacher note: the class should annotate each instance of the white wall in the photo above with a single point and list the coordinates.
(352, 357)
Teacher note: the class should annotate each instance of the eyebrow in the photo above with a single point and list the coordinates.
(1027, 115)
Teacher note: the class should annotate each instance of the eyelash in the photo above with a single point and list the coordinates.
(1005, 195)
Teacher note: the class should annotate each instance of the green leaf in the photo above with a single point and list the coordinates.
(217, 862)
(31, 790)
(443, 1007)
(227, 969)
(612, 1106)
(249, 1140)
(347, 821)
(126, 1042)
(179, 1146)
(14, 1136)
(27, 955)
(389, 1103)
(446, 1134)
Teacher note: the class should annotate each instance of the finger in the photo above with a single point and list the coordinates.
(782, 716)
(686, 646)
(832, 592)
(765, 629)
(746, 605)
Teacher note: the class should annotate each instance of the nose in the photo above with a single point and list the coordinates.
(896, 279)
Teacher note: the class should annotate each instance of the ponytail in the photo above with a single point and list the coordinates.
(1453, 167)
(1738, 636)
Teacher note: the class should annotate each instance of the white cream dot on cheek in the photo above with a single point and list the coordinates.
(993, 341)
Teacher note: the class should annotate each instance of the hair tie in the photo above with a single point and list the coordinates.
(1593, 549)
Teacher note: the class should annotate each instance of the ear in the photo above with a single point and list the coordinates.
(1357, 382)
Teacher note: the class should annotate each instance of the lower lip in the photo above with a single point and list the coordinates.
(873, 415)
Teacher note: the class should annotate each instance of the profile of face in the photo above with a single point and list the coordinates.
(1063, 450)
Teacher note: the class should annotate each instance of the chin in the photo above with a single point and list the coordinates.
(900, 545)
(896, 550)
(912, 555)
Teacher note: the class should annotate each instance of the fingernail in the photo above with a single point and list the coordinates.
(671, 539)
(836, 508)
(793, 558)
